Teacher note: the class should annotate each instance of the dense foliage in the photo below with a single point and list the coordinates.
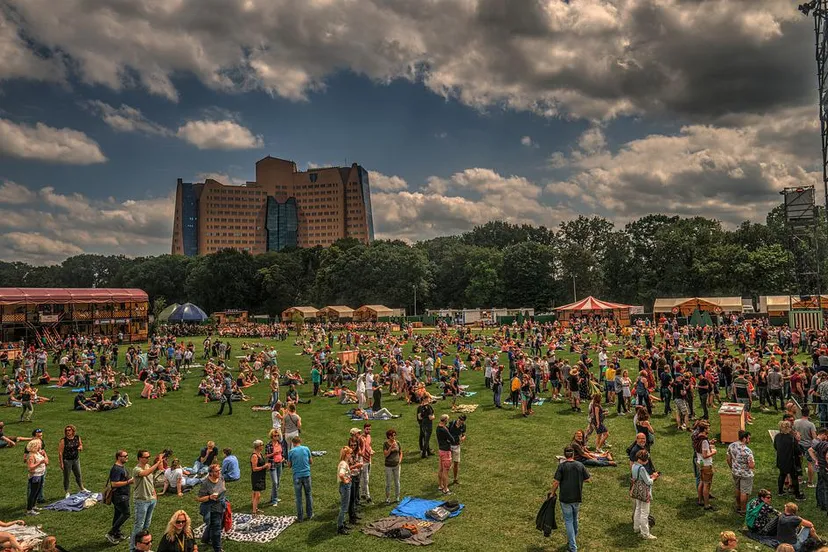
(497, 264)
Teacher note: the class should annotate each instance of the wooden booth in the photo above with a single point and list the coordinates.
(370, 313)
(304, 313)
(591, 306)
(335, 313)
(232, 316)
(47, 314)
(685, 306)
(732, 421)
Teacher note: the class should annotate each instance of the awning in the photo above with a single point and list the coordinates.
(56, 296)
(592, 304)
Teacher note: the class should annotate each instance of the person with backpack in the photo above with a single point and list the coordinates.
(642, 493)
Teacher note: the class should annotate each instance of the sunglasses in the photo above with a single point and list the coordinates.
(180, 521)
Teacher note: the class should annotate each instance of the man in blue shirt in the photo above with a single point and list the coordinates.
(300, 460)
(230, 466)
(227, 395)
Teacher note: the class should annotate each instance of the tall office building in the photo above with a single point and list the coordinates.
(282, 208)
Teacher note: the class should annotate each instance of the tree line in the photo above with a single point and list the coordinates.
(495, 265)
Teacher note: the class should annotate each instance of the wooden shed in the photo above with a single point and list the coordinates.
(368, 313)
(684, 306)
(306, 313)
(336, 312)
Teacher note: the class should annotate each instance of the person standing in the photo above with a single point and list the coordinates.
(26, 400)
(392, 451)
(819, 454)
(275, 455)
(704, 458)
(144, 495)
(367, 453)
(227, 395)
(258, 473)
(807, 433)
(343, 474)
(569, 479)
(69, 449)
(786, 457)
(497, 385)
(445, 440)
(120, 481)
(457, 428)
(211, 495)
(641, 513)
(36, 462)
(292, 424)
(742, 463)
(425, 417)
(300, 461)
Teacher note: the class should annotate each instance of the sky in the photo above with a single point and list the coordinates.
(464, 111)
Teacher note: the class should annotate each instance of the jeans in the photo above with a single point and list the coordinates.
(354, 502)
(34, 487)
(621, 403)
(570, 515)
(364, 480)
(801, 537)
(274, 398)
(143, 518)
(644, 400)
(703, 401)
(28, 411)
(121, 506)
(228, 401)
(300, 484)
(425, 437)
(498, 390)
(213, 529)
(822, 489)
(666, 395)
(71, 466)
(392, 475)
(344, 499)
(641, 523)
(275, 478)
(794, 482)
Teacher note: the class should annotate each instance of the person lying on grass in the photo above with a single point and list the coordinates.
(587, 457)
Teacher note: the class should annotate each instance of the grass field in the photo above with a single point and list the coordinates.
(508, 463)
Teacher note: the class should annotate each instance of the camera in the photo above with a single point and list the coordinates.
(166, 453)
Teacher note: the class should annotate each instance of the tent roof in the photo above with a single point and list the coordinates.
(188, 313)
(779, 301)
(306, 311)
(590, 304)
(339, 309)
(52, 296)
(375, 308)
(164, 315)
(725, 303)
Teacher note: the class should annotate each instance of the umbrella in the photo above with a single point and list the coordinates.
(164, 315)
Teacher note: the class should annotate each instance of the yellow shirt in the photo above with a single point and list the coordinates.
(610, 373)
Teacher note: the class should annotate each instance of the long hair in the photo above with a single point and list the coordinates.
(187, 531)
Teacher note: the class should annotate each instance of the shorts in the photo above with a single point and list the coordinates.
(455, 454)
(555, 383)
(743, 484)
(745, 402)
(805, 453)
(706, 473)
(445, 459)
(609, 386)
(681, 407)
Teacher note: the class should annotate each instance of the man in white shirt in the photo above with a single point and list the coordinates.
(602, 363)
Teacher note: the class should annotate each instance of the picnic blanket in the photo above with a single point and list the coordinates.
(464, 408)
(763, 539)
(260, 408)
(537, 402)
(415, 507)
(468, 393)
(423, 537)
(75, 502)
(249, 528)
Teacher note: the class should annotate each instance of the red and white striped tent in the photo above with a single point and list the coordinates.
(591, 305)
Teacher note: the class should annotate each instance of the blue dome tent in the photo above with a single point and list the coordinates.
(187, 313)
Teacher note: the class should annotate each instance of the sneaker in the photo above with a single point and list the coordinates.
(811, 485)
(67, 495)
(112, 539)
(85, 490)
(388, 501)
(649, 537)
(32, 513)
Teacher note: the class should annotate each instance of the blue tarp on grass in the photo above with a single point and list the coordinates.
(417, 507)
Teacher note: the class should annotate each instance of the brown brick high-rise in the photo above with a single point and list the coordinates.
(282, 208)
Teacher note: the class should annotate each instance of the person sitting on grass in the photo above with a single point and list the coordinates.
(174, 478)
(727, 541)
(760, 516)
(587, 457)
(792, 529)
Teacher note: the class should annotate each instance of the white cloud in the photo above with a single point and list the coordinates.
(382, 183)
(18, 61)
(459, 203)
(595, 59)
(528, 142)
(127, 119)
(45, 226)
(224, 178)
(732, 173)
(227, 135)
(45, 143)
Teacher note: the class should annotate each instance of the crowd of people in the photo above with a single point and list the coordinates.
(684, 369)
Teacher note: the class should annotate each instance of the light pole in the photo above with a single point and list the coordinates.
(574, 290)
(415, 298)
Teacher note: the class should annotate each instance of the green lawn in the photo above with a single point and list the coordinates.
(508, 463)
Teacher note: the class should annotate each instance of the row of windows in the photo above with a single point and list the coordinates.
(226, 227)
(235, 191)
(237, 242)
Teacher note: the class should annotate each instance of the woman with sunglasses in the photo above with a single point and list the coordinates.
(69, 449)
(259, 467)
(211, 495)
(178, 536)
